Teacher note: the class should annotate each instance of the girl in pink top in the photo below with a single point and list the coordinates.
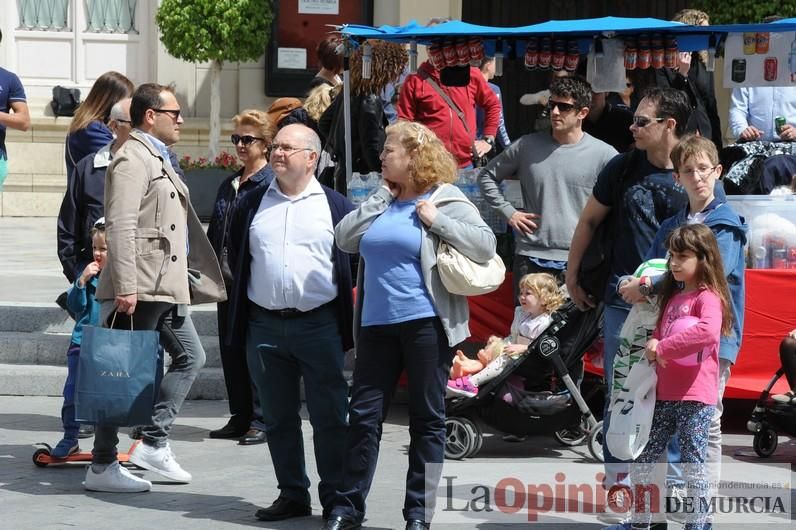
(695, 312)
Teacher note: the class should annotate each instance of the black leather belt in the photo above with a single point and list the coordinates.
(289, 312)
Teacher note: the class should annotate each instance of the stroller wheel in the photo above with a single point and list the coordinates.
(765, 442)
(476, 436)
(460, 437)
(574, 435)
(596, 441)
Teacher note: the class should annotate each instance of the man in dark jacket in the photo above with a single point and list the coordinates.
(83, 202)
(292, 302)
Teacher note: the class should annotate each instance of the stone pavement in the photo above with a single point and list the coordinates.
(230, 481)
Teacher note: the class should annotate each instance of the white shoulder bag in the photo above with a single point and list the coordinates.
(632, 410)
(461, 275)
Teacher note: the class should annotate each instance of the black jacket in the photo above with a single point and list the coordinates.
(702, 95)
(368, 122)
(82, 205)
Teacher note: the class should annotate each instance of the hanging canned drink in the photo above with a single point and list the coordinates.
(770, 69)
(670, 53)
(476, 51)
(761, 42)
(436, 56)
(449, 50)
(644, 53)
(573, 56)
(631, 54)
(545, 53)
(559, 55)
(532, 53)
(463, 52)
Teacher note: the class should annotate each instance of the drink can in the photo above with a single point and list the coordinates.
(559, 55)
(631, 54)
(770, 69)
(436, 56)
(670, 52)
(532, 53)
(792, 255)
(463, 52)
(779, 258)
(476, 51)
(749, 43)
(738, 70)
(545, 53)
(658, 61)
(449, 51)
(760, 257)
(644, 59)
(779, 123)
(761, 42)
(573, 56)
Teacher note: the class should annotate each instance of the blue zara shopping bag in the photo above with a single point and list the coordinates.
(117, 379)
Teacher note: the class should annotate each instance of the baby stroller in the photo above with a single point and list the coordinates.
(768, 418)
(548, 400)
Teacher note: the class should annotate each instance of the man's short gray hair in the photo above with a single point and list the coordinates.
(117, 111)
(314, 143)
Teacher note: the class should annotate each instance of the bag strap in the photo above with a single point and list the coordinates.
(113, 320)
(449, 199)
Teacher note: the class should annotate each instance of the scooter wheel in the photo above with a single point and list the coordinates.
(765, 442)
(596, 441)
(38, 457)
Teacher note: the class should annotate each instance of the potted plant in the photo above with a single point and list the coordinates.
(204, 176)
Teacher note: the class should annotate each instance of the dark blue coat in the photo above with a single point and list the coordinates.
(240, 262)
(84, 142)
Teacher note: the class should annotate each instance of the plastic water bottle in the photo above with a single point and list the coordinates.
(362, 186)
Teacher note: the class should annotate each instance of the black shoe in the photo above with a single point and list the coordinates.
(229, 430)
(417, 524)
(283, 508)
(252, 437)
(86, 430)
(338, 522)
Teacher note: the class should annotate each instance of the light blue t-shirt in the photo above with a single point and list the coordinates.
(394, 287)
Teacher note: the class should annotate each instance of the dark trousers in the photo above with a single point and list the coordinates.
(244, 403)
(71, 427)
(282, 351)
(383, 352)
(523, 265)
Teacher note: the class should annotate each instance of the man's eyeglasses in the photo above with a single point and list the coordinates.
(287, 149)
(174, 113)
(702, 171)
(562, 107)
(128, 122)
(246, 139)
(643, 121)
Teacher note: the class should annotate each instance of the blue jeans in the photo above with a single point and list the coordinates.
(421, 348)
(178, 337)
(616, 470)
(280, 352)
(71, 427)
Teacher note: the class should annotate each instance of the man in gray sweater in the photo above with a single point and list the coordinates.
(557, 170)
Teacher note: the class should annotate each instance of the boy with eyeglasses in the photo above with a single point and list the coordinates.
(556, 170)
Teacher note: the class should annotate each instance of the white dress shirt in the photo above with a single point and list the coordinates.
(290, 242)
(758, 106)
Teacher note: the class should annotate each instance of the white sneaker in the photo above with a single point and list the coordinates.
(160, 460)
(115, 479)
(675, 502)
(617, 509)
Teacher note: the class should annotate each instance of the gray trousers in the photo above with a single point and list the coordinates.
(179, 338)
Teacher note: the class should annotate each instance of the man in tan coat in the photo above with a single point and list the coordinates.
(159, 262)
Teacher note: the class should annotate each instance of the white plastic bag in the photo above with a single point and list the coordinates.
(631, 412)
(606, 71)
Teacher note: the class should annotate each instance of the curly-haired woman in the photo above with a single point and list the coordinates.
(405, 318)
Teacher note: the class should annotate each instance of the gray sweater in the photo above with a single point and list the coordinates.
(556, 181)
(456, 223)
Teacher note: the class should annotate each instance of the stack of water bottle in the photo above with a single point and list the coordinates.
(468, 183)
(362, 185)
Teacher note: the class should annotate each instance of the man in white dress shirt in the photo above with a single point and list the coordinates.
(294, 304)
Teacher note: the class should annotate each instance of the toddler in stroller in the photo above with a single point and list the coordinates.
(539, 297)
(535, 392)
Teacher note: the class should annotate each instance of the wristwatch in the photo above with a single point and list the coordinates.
(645, 287)
(490, 141)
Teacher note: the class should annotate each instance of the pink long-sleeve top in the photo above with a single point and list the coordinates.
(692, 355)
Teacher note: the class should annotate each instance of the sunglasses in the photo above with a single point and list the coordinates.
(245, 140)
(643, 121)
(174, 113)
(562, 107)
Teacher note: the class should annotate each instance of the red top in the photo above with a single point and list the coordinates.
(418, 101)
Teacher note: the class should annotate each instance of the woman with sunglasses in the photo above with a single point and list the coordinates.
(252, 140)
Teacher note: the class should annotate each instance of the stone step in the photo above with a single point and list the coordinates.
(39, 380)
(49, 318)
(42, 348)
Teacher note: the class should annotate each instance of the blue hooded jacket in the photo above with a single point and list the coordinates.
(730, 231)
